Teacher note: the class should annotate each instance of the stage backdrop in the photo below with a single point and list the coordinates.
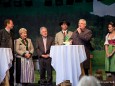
(98, 13)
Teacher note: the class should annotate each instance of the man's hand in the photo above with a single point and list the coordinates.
(70, 41)
(91, 56)
(79, 30)
(45, 56)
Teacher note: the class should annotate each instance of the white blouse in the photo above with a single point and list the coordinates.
(107, 38)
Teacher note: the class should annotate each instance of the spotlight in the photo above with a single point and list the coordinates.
(48, 3)
(78, 1)
(28, 3)
(17, 3)
(59, 2)
(89, 0)
(6, 3)
(69, 2)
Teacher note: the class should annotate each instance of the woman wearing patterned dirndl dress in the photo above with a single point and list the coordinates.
(24, 63)
(110, 50)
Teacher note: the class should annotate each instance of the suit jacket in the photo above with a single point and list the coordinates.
(59, 38)
(83, 39)
(40, 45)
(21, 48)
(6, 39)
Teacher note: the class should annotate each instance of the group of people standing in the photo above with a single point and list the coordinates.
(23, 50)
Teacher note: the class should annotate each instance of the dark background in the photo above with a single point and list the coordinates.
(32, 14)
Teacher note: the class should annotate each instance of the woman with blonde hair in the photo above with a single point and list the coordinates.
(24, 63)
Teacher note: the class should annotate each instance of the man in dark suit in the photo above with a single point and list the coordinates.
(6, 41)
(82, 36)
(44, 43)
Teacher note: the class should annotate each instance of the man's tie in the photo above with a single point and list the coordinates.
(44, 41)
(64, 33)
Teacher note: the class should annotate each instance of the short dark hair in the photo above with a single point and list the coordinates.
(7, 21)
(112, 24)
(64, 22)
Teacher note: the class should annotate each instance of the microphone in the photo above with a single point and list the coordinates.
(79, 30)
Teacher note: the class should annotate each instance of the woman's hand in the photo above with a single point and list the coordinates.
(107, 55)
(111, 54)
(27, 55)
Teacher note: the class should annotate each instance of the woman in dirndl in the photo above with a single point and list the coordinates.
(24, 64)
(110, 50)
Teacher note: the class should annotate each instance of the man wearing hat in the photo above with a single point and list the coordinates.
(64, 34)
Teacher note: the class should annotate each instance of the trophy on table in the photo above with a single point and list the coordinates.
(67, 40)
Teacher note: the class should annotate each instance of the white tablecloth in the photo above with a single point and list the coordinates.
(66, 61)
(6, 58)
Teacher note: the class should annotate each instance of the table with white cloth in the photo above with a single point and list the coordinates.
(6, 58)
(66, 61)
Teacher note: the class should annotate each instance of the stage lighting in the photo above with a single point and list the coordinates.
(48, 3)
(89, 0)
(0, 2)
(28, 3)
(69, 2)
(17, 3)
(78, 1)
(6, 3)
(59, 2)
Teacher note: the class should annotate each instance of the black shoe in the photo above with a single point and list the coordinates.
(39, 82)
(11, 84)
(49, 84)
(43, 85)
